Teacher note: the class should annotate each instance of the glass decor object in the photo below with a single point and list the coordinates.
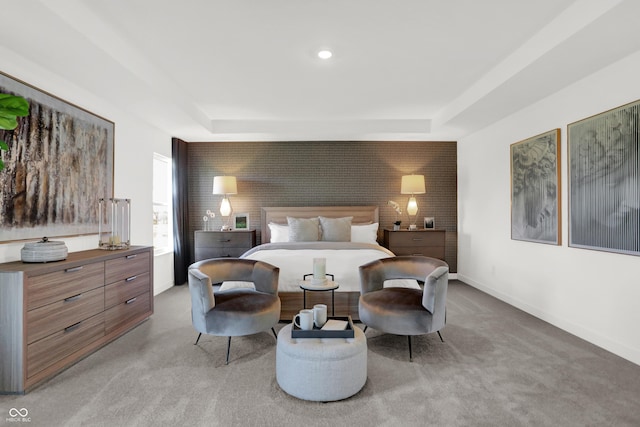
(115, 224)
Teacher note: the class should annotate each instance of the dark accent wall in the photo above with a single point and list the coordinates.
(326, 174)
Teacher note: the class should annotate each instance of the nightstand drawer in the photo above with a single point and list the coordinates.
(220, 244)
(430, 243)
(225, 239)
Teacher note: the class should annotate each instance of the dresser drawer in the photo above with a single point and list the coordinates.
(126, 266)
(126, 289)
(225, 239)
(52, 287)
(49, 350)
(430, 251)
(124, 312)
(56, 316)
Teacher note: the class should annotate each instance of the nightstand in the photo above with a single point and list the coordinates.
(427, 242)
(216, 244)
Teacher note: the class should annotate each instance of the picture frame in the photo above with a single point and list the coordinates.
(429, 222)
(535, 189)
(241, 221)
(45, 188)
(604, 181)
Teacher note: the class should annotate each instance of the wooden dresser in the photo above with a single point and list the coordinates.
(427, 242)
(217, 244)
(53, 314)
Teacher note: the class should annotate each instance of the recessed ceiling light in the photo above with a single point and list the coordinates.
(325, 54)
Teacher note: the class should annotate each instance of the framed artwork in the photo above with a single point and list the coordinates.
(58, 165)
(604, 183)
(429, 222)
(535, 189)
(241, 221)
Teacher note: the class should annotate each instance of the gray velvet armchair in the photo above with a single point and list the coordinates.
(404, 311)
(234, 312)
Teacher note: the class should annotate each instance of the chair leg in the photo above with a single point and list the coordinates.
(410, 353)
(198, 339)
(365, 328)
(440, 335)
(228, 350)
(274, 333)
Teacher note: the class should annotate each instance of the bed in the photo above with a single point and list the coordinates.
(295, 258)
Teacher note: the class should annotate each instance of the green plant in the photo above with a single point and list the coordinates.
(11, 107)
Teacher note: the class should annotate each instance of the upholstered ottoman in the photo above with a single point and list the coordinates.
(321, 369)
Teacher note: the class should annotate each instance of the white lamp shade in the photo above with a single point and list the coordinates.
(412, 184)
(225, 185)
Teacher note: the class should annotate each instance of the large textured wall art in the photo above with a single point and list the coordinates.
(58, 165)
(535, 189)
(604, 183)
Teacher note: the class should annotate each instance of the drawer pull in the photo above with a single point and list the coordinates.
(130, 279)
(132, 300)
(416, 239)
(224, 240)
(73, 298)
(71, 270)
(131, 256)
(72, 327)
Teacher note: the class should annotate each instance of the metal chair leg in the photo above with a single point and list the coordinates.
(440, 335)
(198, 339)
(410, 353)
(365, 329)
(274, 333)
(228, 350)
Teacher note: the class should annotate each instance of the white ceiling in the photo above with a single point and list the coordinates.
(207, 70)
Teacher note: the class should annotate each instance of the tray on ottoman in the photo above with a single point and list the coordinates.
(296, 332)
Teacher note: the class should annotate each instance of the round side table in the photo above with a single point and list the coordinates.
(330, 285)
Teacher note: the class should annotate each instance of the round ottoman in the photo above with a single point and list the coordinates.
(321, 369)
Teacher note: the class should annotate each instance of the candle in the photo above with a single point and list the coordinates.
(319, 268)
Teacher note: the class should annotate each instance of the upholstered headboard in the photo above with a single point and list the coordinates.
(278, 215)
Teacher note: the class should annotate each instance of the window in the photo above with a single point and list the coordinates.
(162, 219)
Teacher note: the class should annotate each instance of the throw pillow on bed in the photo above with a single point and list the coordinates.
(303, 229)
(335, 229)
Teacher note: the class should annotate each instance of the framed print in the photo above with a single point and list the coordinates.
(604, 184)
(241, 221)
(535, 189)
(58, 165)
(429, 222)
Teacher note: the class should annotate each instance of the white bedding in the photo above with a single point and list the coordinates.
(296, 259)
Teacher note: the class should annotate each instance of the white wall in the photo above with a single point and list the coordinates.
(591, 294)
(135, 143)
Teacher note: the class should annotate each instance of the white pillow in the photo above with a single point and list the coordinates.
(367, 233)
(279, 232)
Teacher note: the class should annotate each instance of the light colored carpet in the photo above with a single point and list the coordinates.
(497, 367)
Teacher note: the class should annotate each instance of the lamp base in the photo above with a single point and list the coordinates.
(413, 227)
(225, 228)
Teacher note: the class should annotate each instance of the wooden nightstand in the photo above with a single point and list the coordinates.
(216, 244)
(427, 242)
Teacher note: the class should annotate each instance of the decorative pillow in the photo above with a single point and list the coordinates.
(336, 229)
(279, 232)
(303, 229)
(365, 233)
